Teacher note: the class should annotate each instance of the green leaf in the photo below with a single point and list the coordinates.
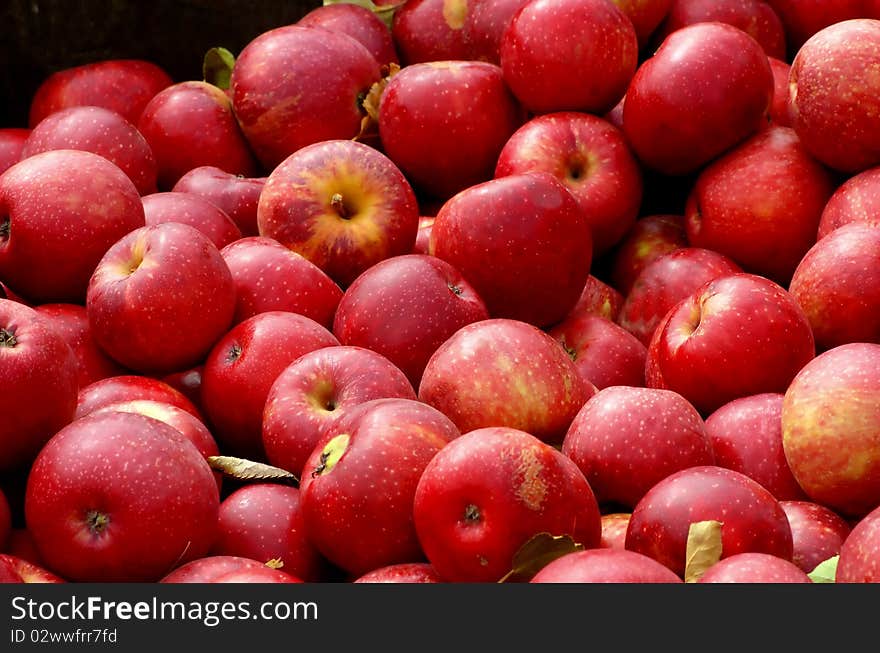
(384, 11)
(217, 67)
(703, 549)
(538, 552)
(247, 470)
(826, 571)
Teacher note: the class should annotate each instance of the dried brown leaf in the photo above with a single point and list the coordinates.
(248, 470)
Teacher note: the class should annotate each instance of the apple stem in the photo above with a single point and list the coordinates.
(7, 339)
(338, 204)
(97, 521)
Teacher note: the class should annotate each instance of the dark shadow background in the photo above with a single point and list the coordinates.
(39, 37)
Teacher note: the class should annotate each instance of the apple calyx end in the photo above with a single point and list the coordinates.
(97, 522)
(458, 291)
(472, 514)
(5, 224)
(331, 454)
(234, 353)
(7, 338)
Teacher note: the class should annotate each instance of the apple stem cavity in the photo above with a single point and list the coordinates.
(337, 202)
(97, 522)
(7, 338)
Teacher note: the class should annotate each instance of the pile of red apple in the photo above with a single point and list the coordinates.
(452, 291)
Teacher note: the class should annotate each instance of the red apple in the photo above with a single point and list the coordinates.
(12, 140)
(649, 238)
(160, 298)
(357, 22)
(779, 110)
(191, 124)
(240, 369)
(431, 30)
(71, 321)
(754, 568)
(270, 277)
(645, 15)
(120, 497)
(311, 393)
(423, 235)
(192, 428)
(293, 86)
(484, 28)
(604, 353)
(16, 570)
(626, 440)
(488, 492)
(664, 282)
(736, 336)
(769, 227)
(98, 130)
(461, 112)
(192, 210)
(585, 66)
(130, 387)
(187, 382)
(599, 299)
(591, 158)
(39, 373)
(817, 532)
(803, 18)
(605, 566)
(516, 239)
(855, 200)
(359, 482)
(343, 205)
(707, 87)
(838, 118)
(503, 372)
(755, 17)
(404, 572)
(227, 569)
(830, 421)
(614, 526)
(752, 519)
(121, 85)
(860, 552)
(404, 308)
(837, 283)
(54, 199)
(264, 521)
(235, 195)
(746, 436)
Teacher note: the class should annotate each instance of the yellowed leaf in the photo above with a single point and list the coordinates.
(703, 549)
(370, 105)
(538, 552)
